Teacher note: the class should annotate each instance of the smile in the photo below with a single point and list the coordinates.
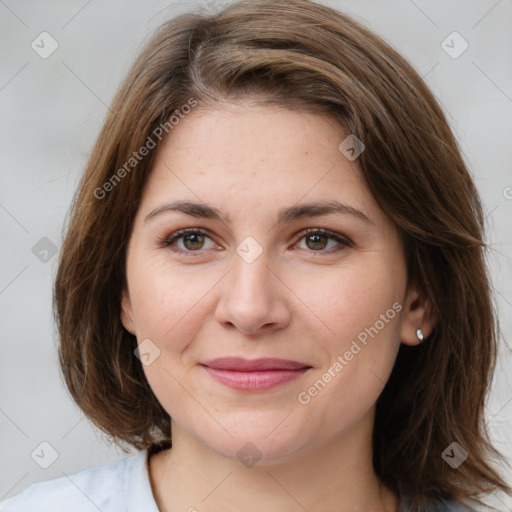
(257, 375)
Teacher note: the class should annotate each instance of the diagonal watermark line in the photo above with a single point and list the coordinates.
(15, 75)
(301, 300)
(217, 485)
(305, 194)
(58, 178)
(14, 423)
(12, 280)
(503, 297)
(3, 3)
(76, 14)
(494, 416)
(14, 486)
(424, 13)
(198, 402)
(376, 376)
(491, 80)
(85, 494)
(88, 87)
(292, 497)
(485, 15)
(280, 422)
(73, 427)
(491, 212)
(14, 218)
(500, 253)
(487, 215)
(431, 69)
(502, 338)
(204, 295)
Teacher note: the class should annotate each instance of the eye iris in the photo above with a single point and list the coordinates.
(316, 239)
(197, 241)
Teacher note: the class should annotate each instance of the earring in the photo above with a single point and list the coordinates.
(419, 333)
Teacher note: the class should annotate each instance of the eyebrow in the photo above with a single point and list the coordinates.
(285, 215)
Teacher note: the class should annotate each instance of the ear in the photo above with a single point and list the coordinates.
(126, 312)
(417, 315)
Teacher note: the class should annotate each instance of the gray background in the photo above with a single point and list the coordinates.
(51, 111)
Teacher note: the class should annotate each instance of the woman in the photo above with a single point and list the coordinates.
(275, 259)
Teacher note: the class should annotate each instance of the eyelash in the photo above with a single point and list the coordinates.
(169, 240)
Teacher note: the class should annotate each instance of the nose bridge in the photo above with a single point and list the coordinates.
(250, 298)
(249, 281)
(250, 272)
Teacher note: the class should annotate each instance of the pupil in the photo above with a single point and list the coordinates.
(195, 240)
(316, 239)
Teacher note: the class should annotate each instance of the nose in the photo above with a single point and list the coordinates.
(253, 298)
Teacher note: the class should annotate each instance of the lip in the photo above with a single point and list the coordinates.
(256, 374)
(253, 365)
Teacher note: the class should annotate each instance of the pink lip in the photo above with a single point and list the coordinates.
(254, 375)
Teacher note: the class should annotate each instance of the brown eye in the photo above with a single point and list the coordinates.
(317, 240)
(188, 241)
(193, 242)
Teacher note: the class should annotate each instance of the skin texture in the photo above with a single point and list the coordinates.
(300, 299)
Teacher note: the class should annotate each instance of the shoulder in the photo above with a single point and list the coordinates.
(438, 505)
(450, 506)
(108, 488)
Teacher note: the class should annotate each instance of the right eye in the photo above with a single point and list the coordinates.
(192, 241)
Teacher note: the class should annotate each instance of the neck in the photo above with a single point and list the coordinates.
(337, 477)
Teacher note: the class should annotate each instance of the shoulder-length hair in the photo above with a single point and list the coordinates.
(300, 55)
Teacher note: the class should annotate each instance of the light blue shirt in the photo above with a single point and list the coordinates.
(121, 486)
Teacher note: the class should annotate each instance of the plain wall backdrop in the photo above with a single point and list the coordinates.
(51, 110)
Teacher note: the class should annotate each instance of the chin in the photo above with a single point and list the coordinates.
(253, 445)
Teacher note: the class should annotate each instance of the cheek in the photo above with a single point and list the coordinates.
(169, 311)
(166, 298)
(345, 301)
(360, 313)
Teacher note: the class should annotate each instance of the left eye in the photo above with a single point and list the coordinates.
(318, 239)
(193, 240)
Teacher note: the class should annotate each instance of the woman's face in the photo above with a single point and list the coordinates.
(248, 281)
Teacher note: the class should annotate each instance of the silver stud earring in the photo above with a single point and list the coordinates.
(419, 333)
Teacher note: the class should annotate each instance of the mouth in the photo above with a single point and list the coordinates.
(254, 375)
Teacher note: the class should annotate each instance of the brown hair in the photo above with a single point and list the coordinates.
(301, 55)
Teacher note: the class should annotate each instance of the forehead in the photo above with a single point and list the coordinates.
(239, 143)
(244, 158)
